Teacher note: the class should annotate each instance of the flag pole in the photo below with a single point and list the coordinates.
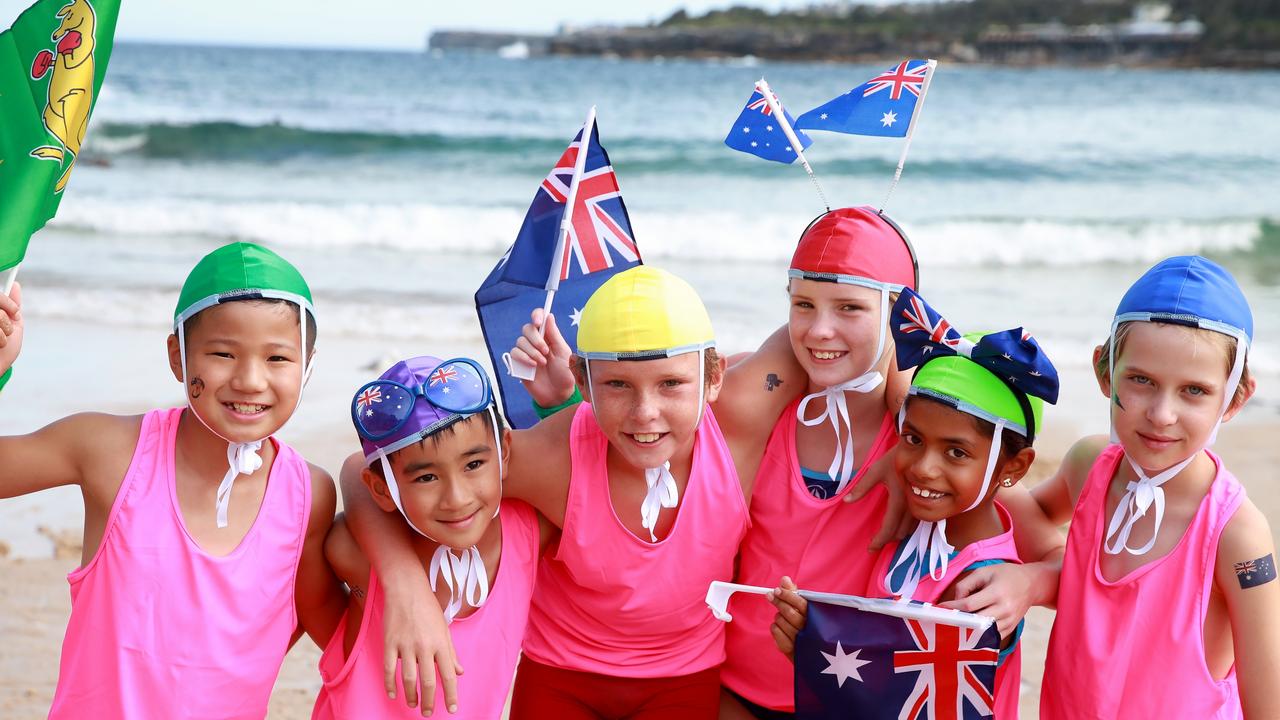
(911, 128)
(519, 369)
(781, 117)
(10, 276)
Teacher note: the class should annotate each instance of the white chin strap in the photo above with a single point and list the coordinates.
(662, 492)
(1141, 495)
(928, 547)
(242, 457)
(837, 412)
(463, 573)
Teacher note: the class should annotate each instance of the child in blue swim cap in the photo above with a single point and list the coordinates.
(433, 448)
(1167, 604)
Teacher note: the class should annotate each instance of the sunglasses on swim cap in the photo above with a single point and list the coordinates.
(382, 407)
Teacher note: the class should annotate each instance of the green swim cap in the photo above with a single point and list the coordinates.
(970, 388)
(240, 271)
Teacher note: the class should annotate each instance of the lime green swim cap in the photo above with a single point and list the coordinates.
(970, 388)
(240, 271)
(643, 313)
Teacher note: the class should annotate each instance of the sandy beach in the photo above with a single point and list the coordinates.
(40, 536)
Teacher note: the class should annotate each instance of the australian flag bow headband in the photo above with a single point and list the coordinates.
(921, 334)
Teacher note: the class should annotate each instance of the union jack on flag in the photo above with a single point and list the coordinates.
(851, 662)
(368, 397)
(897, 80)
(442, 375)
(920, 318)
(759, 132)
(761, 106)
(945, 659)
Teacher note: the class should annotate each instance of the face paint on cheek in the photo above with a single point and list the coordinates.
(1115, 398)
(197, 387)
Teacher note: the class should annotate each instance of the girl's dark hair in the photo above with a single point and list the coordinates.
(1011, 441)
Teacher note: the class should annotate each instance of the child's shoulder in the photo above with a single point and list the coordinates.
(1080, 459)
(1246, 531)
(324, 495)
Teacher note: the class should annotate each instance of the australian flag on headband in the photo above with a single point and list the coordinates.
(600, 243)
(921, 333)
(868, 665)
(757, 131)
(881, 106)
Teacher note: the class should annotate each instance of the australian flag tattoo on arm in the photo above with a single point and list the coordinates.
(1256, 572)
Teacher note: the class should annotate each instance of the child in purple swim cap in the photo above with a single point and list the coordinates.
(434, 450)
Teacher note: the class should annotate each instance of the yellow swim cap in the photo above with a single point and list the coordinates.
(643, 313)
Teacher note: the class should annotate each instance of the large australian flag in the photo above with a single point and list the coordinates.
(860, 663)
(880, 106)
(599, 244)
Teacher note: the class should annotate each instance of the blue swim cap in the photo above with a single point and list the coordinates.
(1188, 290)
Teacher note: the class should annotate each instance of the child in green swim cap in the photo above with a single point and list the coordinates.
(203, 541)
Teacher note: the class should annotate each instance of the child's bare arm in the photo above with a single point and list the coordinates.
(793, 611)
(318, 596)
(1057, 494)
(415, 632)
(1245, 573)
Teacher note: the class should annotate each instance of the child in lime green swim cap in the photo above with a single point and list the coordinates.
(204, 534)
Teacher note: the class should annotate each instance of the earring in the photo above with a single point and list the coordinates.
(1007, 482)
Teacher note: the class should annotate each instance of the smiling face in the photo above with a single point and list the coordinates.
(244, 367)
(648, 409)
(941, 458)
(834, 329)
(450, 483)
(1169, 382)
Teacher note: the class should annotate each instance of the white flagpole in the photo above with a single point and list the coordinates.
(519, 369)
(911, 128)
(10, 275)
(781, 117)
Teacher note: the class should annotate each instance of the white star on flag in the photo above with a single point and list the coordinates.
(889, 119)
(755, 144)
(789, 149)
(844, 666)
(746, 129)
(823, 116)
(769, 128)
(575, 316)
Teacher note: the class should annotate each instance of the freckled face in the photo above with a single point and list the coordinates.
(834, 328)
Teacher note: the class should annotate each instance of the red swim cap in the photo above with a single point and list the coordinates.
(858, 246)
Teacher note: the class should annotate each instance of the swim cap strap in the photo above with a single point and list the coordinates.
(991, 463)
(662, 493)
(1138, 498)
(242, 459)
(927, 547)
(837, 413)
(465, 576)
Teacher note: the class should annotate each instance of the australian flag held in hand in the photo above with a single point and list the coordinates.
(874, 666)
(600, 244)
(881, 106)
(757, 131)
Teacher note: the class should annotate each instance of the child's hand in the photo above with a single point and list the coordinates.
(897, 520)
(549, 353)
(790, 620)
(417, 639)
(1004, 592)
(10, 327)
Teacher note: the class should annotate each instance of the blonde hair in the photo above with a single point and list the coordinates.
(1224, 341)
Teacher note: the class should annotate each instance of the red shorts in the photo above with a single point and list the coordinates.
(544, 691)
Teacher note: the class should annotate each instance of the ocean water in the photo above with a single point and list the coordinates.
(396, 180)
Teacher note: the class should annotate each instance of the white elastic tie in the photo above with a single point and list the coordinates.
(991, 464)
(837, 413)
(465, 576)
(242, 459)
(662, 493)
(929, 544)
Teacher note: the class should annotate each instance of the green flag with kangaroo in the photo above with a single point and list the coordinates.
(52, 62)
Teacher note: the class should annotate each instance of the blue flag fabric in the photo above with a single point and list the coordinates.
(858, 663)
(757, 131)
(881, 106)
(600, 244)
